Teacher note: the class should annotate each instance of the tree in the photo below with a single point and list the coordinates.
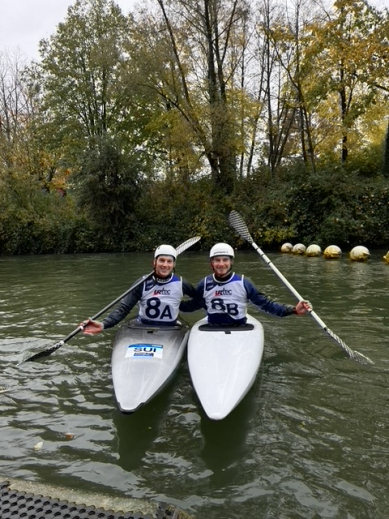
(108, 185)
(16, 110)
(347, 49)
(81, 73)
(277, 111)
(385, 162)
(90, 115)
(295, 128)
(189, 56)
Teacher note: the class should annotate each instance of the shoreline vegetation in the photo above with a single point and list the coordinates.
(325, 209)
(151, 126)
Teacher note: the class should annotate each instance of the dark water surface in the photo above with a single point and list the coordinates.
(310, 440)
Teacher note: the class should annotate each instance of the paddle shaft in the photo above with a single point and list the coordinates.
(352, 354)
(286, 282)
(55, 347)
(133, 287)
(239, 225)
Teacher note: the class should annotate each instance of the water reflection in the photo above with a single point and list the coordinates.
(136, 432)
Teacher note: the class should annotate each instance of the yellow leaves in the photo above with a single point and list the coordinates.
(59, 182)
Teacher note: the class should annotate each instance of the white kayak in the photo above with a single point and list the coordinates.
(144, 360)
(223, 363)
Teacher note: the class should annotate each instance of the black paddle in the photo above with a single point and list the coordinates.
(45, 353)
(239, 225)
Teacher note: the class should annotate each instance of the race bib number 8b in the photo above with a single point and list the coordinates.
(220, 306)
(144, 351)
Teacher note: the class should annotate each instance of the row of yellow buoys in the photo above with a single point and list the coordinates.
(358, 253)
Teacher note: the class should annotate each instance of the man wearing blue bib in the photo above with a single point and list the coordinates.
(158, 297)
(225, 294)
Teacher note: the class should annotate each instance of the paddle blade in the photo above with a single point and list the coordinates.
(188, 243)
(237, 222)
(355, 355)
(362, 359)
(44, 353)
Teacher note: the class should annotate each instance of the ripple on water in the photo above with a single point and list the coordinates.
(310, 440)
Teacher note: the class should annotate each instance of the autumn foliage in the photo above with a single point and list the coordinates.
(152, 125)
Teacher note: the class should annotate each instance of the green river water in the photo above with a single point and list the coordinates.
(310, 440)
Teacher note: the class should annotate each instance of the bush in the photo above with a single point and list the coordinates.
(34, 221)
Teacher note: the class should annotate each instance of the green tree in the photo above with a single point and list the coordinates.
(108, 186)
(81, 76)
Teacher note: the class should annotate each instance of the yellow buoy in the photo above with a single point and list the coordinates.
(299, 248)
(359, 253)
(332, 251)
(313, 250)
(386, 257)
(286, 247)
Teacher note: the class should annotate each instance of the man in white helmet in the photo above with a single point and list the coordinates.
(158, 297)
(225, 295)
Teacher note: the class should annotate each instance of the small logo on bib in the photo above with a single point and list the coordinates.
(223, 292)
(162, 292)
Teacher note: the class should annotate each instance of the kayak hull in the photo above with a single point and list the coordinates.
(223, 364)
(144, 360)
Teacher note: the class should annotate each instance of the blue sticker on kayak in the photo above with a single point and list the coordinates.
(143, 351)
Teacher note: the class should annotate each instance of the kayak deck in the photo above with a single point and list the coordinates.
(223, 363)
(144, 360)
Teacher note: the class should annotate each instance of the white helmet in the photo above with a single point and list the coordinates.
(222, 249)
(165, 250)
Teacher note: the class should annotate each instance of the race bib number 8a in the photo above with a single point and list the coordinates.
(144, 351)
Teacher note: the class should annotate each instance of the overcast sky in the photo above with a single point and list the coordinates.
(23, 23)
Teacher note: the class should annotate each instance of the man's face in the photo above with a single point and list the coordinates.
(164, 266)
(221, 265)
